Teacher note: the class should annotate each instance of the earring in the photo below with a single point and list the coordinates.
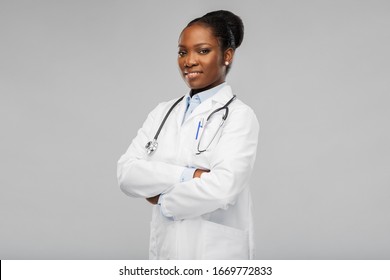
(226, 63)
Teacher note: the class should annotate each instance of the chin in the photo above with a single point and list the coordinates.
(195, 86)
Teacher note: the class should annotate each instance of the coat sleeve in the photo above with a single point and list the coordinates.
(140, 177)
(232, 162)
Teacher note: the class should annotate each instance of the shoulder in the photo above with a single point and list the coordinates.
(243, 113)
(241, 122)
(239, 112)
(237, 106)
(163, 107)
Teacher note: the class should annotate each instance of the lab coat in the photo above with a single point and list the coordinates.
(211, 216)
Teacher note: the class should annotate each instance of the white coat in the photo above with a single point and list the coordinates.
(212, 215)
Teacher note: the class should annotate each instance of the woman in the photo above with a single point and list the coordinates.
(197, 177)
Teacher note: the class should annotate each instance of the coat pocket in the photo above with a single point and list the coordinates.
(223, 242)
(209, 136)
(162, 244)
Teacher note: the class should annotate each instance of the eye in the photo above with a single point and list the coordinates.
(204, 51)
(181, 53)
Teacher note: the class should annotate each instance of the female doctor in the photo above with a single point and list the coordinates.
(193, 157)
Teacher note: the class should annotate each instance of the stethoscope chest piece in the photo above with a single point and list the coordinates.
(151, 146)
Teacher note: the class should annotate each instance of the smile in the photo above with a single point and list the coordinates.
(191, 75)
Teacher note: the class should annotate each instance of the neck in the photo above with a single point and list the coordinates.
(196, 91)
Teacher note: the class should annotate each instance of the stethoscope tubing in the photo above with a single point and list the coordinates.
(154, 143)
(166, 117)
(222, 108)
(224, 117)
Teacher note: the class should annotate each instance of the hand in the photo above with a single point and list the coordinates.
(153, 200)
(199, 172)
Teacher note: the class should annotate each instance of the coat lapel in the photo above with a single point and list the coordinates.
(180, 111)
(217, 100)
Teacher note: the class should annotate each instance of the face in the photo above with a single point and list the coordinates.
(200, 59)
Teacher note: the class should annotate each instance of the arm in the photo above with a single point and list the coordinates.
(138, 176)
(154, 200)
(231, 161)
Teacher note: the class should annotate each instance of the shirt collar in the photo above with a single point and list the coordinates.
(204, 95)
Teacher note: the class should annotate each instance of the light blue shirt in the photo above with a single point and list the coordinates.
(194, 101)
(191, 104)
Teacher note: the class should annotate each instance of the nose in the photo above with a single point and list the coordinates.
(190, 60)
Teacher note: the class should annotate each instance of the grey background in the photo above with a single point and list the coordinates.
(78, 78)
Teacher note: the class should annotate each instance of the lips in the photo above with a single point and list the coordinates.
(192, 74)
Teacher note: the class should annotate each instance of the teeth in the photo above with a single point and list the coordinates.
(192, 74)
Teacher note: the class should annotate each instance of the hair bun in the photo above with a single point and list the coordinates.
(233, 21)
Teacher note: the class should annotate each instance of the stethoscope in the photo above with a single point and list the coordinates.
(152, 145)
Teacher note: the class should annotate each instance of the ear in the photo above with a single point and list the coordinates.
(228, 56)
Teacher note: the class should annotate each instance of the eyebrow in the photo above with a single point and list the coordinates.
(197, 45)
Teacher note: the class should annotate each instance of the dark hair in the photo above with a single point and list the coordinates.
(226, 26)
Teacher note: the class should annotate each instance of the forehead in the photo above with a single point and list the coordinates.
(197, 34)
